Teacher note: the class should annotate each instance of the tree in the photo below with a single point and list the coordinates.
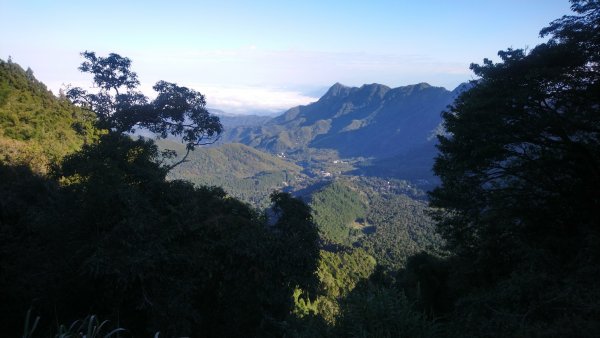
(107, 234)
(373, 310)
(519, 203)
(298, 241)
(523, 155)
(37, 129)
(120, 108)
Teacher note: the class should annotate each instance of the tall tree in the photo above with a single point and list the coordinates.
(120, 107)
(522, 159)
(108, 235)
(519, 202)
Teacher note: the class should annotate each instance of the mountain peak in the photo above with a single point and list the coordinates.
(336, 90)
(372, 120)
(463, 87)
(375, 89)
(419, 86)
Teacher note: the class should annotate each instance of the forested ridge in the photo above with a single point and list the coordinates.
(243, 172)
(383, 217)
(37, 128)
(505, 246)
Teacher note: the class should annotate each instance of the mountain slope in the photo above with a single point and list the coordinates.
(371, 121)
(242, 171)
(37, 128)
(388, 219)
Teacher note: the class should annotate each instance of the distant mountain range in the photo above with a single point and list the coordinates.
(395, 127)
(230, 121)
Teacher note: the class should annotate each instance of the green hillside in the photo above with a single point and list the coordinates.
(37, 128)
(399, 227)
(336, 207)
(243, 172)
(388, 218)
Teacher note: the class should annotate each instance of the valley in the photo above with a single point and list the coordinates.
(371, 211)
(360, 157)
(365, 182)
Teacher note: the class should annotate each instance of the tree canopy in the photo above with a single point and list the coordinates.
(106, 233)
(518, 207)
(120, 107)
(523, 155)
(37, 128)
(520, 169)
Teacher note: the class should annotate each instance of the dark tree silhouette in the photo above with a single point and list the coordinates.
(523, 155)
(119, 107)
(520, 196)
(106, 234)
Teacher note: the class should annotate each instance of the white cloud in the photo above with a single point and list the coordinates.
(231, 99)
(251, 79)
(251, 99)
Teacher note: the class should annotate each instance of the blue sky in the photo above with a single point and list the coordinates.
(266, 56)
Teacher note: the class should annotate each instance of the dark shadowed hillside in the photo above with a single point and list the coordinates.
(371, 121)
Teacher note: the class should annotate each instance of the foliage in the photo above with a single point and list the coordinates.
(89, 327)
(177, 111)
(384, 217)
(358, 299)
(520, 189)
(36, 128)
(28, 330)
(107, 233)
(425, 280)
(297, 241)
(335, 207)
(374, 310)
(315, 312)
(243, 172)
(518, 208)
(340, 272)
(402, 228)
(524, 140)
